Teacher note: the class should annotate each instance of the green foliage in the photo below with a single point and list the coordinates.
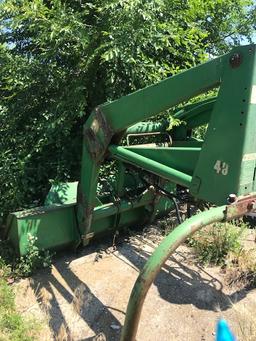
(8, 260)
(174, 122)
(5, 269)
(199, 132)
(33, 260)
(12, 266)
(59, 59)
(213, 244)
(12, 326)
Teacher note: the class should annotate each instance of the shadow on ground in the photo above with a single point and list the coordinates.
(178, 284)
(97, 316)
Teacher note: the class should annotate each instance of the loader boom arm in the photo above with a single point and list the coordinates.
(148, 175)
(233, 73)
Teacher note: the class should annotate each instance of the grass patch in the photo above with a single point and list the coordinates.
(241, 268)
(12, 325)
(216, 241)
(222, 244)
(246, 323)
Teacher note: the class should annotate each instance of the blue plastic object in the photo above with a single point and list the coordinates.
(223, 332)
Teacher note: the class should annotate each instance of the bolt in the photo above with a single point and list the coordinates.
(235, 60)
(252, 206)
(231, 198)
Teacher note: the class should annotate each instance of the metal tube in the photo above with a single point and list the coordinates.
(148, 127)
(156, 261)
(110, 209)
(125, 155)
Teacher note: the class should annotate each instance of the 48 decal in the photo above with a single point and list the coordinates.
(221, 167)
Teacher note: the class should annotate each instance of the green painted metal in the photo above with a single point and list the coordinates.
(150, 165)
(183, 159)
(189, 142)
(193, 116)
(154, 99)
(109, 120)
(62, 193)
(224, 163)
(227, 160)
(148, 127)
(209, 169)
(55, 226)
(197, 109)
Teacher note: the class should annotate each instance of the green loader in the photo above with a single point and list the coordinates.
(147, 166)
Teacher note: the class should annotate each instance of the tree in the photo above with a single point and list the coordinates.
(59, 59)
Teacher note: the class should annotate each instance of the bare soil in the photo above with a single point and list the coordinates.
(86, 295)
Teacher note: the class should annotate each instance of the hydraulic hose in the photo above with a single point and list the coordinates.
(156, 261)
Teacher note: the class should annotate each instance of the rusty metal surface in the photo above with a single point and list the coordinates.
(103, 124)
(98, 135)
(241, 206)
(235, 60)
(92, 143)
(87, 219)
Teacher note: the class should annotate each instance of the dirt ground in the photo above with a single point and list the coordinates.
(87, 294)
